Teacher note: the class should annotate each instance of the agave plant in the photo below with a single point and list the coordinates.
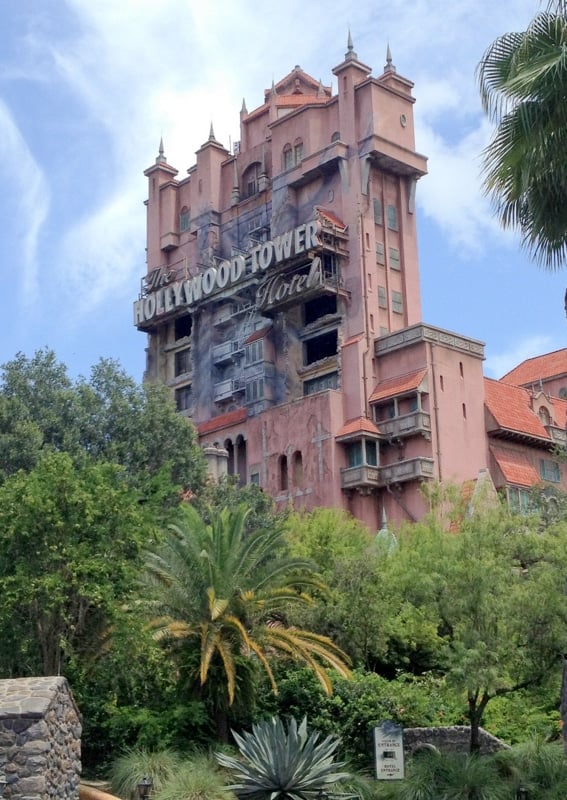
(277, 764)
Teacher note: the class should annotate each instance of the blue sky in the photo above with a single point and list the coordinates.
(88, 87)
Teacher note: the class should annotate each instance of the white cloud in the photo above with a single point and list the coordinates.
(24, 182)
(498, 364)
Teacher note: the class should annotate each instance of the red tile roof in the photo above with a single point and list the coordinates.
(515, 467)
(511, 410)
(332, 218)
(531, 370)
(393, 386)
(259, 334)
(222, 421)
(360, 425)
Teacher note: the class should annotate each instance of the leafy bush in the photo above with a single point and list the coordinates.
(196, 779)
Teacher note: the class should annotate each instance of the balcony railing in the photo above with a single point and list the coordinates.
(402, 471)
(558, 435)
(226, 389)
(223, 353)
(418, 422)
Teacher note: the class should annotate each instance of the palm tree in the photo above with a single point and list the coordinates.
(523, 85)
(226, 591)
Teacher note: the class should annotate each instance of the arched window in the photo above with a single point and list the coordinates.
(250, 184)
(336, 136)
(283, 473)
(184, 219)
(287, 157)
(297, 467)
(297, 151)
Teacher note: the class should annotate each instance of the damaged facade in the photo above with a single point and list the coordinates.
(282, 305)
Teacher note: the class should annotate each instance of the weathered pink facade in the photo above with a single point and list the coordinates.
(282, 303)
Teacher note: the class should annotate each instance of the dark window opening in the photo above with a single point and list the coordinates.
(183, 326)
(183, 398)
(297, 463)
(319, 307)
(182, 362)
(283, 473)
(319, 347)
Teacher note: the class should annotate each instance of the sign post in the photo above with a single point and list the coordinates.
(389, 751)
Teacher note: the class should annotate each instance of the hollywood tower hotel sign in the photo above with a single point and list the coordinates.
(163, 294)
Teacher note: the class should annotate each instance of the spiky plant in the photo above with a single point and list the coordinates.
(283, 765)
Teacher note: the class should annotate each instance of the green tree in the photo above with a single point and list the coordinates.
(70, 539)
(495, 593)
(523, 84)
(107, 418)
(227, 592)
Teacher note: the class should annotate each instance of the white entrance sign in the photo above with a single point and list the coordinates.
(389, 751)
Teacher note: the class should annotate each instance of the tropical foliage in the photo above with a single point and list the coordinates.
(276, 764)
(523, 85)
(226, 592)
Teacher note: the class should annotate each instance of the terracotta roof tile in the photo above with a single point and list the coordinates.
(515, 467)
(332, 218)
(259, 334)
(356, 426)
(222, 421)
(531, 370)
(398, 385)
(511, 410)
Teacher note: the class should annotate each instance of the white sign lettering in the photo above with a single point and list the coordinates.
(163, 297)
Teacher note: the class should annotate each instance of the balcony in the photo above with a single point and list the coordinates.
(365, 476)
(418, 422)
(225, 352)
(227, 389)
(558, 435)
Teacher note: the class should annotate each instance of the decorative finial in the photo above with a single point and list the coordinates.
(161, 157)
(389, 67)
(350, 55)
(320, 89)
(212, 134)
(274, 93)
(243, 110)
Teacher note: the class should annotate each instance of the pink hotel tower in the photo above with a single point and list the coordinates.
(281, 305)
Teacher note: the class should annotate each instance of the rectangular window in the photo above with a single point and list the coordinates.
(380, 253)
(549, 470)
(371, 453)
(519, 500)
(288, 158)
(319, 347)
(298, 152)
(183, 398)
(354, 453)
(255, 390)
(394, 258)
(377, 212)
(320, 384)
(255, 478)
(382, 297)
(392, 213)
(184, 221)
(254, 352)
(182, 362)
(397, 302)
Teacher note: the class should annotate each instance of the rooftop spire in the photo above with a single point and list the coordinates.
(389, 67)
(212, 134)
(243, 110)
(161, 159)
(350, 55)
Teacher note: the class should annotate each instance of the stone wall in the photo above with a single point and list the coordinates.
(40, 739)
(449, 739)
